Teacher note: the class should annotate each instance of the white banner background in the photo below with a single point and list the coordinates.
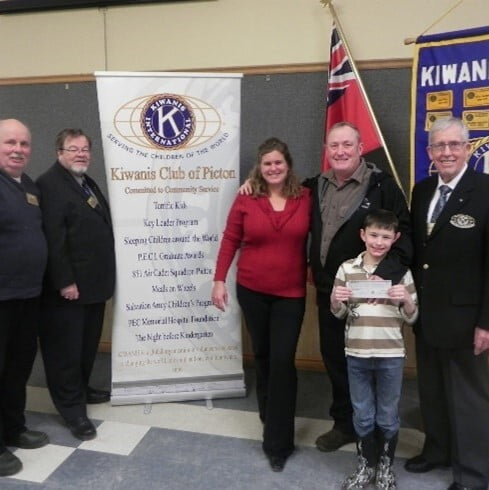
(169, 208)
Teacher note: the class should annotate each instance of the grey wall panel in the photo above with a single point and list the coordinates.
(49, 108)
(289, 106)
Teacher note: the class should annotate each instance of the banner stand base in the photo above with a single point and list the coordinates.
(134, 399)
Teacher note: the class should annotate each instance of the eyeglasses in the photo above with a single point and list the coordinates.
(73, 149)
(452, 145)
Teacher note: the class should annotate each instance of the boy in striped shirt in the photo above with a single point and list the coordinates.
(374, 349)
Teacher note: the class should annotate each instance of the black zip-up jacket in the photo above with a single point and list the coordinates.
(382, 193)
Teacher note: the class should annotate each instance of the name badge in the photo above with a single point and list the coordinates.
(462, 221)
(32, 199)
(92, 201)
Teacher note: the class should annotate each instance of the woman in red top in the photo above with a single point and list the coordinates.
(270, 227)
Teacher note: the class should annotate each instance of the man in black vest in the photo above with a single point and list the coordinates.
(79, 280)
(23, 255)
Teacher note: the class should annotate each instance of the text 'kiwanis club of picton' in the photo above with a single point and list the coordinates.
(169, 173)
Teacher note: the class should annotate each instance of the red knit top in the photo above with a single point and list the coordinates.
(272, 245)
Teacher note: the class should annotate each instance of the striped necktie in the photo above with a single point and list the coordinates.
(442, 200)
(86, 188)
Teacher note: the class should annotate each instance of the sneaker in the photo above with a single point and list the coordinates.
(333, 440)
(9, 464)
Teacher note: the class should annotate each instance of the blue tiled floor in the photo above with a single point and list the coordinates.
(198, 456)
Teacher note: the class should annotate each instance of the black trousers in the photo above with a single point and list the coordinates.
(70, 334)
(454, 399)
(274, 324)
(332, 345)
(19, 321)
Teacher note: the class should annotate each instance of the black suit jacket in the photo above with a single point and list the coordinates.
(451, 267)
(79, 236)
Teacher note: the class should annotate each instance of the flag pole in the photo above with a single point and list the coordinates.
(329, 3)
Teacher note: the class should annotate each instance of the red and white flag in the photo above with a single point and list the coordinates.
(346, 100)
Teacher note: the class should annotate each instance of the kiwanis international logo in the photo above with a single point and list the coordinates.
(167, 121)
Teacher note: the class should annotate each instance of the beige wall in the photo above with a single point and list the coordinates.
(217, 33)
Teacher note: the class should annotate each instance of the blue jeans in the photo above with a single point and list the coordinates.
(375, 389)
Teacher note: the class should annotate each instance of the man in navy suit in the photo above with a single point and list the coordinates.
(450, 216)
(79, 280)
(23, 256)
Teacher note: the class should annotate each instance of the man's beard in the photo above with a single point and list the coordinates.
(78, 170)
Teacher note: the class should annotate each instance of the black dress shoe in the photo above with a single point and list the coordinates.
(9, 463)
(334, 439)
(418, 464)
(29, 439)
(97, 396)
(457, 486)
(83, 429)
(277, 463)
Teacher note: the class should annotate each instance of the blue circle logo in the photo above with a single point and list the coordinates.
(479, 157)
(168, 121)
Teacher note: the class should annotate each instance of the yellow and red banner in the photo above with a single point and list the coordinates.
(346, 100)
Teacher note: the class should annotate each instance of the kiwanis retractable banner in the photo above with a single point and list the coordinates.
(450, 78)
(171, 147)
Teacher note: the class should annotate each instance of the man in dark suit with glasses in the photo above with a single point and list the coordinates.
(79, 280)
